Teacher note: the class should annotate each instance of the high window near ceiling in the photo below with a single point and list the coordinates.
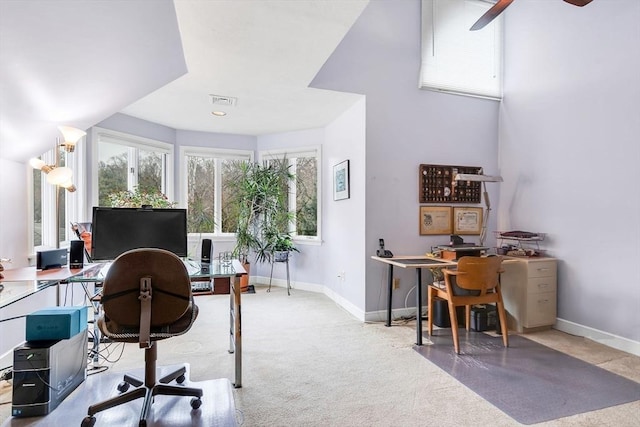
(304, 190)
(455, 59)
(126, 162)
(204, 173)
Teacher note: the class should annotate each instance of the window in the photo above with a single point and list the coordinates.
(43, 201)
(304, 190)
(204, 172)
(455, 59)
(126, 162)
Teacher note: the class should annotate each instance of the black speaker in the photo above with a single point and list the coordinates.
(76, 254)
(207, 250)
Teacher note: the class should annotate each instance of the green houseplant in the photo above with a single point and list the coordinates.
(137, 198)
(260, 197)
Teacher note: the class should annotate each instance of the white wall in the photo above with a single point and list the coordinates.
(343, 221)
(14, 232)
(570, 154)
(405, 126)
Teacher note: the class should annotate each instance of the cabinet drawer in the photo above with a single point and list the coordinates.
(541, 269)
(538, 285)
(541, 310)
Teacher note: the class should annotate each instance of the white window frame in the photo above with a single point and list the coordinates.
(133, 143)
(291, 154)
(455, 59)
(74, 202)
(218, 155)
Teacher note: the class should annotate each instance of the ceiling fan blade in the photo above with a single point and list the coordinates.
(491, 14)
(578, 2)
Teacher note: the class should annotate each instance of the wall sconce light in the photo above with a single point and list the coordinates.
(61, 175)
(71, 137)
(484, 179)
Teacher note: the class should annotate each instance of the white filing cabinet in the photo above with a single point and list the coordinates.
(529, 291)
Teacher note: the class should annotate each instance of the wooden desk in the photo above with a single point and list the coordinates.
(412, 261)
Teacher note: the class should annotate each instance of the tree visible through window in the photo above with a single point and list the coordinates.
(122, 167)
(207, 171)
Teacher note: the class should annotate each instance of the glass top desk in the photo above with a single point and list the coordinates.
(13, 291)
(96, 273)
(23, 282)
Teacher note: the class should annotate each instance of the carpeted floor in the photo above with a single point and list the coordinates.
(308, 362)
(530, 382)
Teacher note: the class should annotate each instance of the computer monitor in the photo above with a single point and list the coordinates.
(117, 230)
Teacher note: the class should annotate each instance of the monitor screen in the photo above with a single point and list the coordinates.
(117, 230)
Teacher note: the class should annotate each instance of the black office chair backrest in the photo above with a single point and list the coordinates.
(170, 287)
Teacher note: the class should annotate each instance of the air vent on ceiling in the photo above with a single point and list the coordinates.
(229, 101)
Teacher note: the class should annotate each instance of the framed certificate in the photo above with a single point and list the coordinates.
(435, 220)
(467, 220)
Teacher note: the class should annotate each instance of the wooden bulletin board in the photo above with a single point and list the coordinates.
(436, 184)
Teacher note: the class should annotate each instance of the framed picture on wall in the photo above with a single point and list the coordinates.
(435, 220)
(341, 181)
(467, 220)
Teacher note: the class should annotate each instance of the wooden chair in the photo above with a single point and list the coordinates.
(477, 281)
(147, 297)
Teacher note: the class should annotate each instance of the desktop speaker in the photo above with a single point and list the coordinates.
(207, 249)
(76, 254)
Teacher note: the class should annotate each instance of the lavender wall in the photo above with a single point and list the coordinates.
(405, 126)
(569, 142)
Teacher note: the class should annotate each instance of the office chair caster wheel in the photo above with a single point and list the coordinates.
(123, 386)
(180, 379)
(196, 402)
(88, 421)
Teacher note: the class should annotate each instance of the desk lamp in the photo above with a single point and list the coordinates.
(484, 179)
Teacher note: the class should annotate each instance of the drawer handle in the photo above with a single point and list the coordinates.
(543, 301)
(543, 269)
(542, 285)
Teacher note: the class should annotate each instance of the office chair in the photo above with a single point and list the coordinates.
(146, 298)
(477, 281)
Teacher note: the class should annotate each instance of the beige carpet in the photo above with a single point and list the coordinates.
(307, 362)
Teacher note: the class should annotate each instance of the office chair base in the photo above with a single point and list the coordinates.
(148, 392)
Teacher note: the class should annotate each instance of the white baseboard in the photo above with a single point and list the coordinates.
(610, 340)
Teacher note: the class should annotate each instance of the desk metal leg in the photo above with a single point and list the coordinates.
(419, 306)
(288, 281)
(235, 328)
(389, 294)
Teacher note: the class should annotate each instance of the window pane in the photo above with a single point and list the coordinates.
(37, 207)
(201, 194)
(150, 171)
(61, 193)
(229, 214)
(306, 196)
(112, 171)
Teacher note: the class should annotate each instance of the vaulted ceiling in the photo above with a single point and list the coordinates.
(77, 63)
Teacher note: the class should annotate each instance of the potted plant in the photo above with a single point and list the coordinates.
(259, 194)
(282, 247)
(138, 198)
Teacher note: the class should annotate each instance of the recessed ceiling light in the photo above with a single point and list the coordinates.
(219, 113)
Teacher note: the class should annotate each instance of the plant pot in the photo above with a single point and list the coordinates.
(244, 279)
(280, 256)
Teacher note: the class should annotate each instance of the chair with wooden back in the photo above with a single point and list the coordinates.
(146, 298)
(475, 281)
